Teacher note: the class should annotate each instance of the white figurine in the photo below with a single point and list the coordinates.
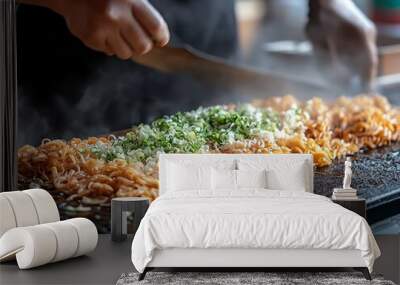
(347, 174)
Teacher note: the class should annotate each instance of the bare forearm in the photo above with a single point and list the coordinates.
(346, 8)
(342, 34)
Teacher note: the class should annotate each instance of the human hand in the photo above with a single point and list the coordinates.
(116, 27)
(345, 39)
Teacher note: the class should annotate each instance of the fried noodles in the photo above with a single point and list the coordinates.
(327, 131)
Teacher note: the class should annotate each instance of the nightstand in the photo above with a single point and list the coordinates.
(358, 206)
(121, 209)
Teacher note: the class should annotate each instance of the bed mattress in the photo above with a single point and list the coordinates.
(250, 219)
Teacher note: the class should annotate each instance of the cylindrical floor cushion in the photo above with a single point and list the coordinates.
(31, 231)
(26, 208)
(40, 244)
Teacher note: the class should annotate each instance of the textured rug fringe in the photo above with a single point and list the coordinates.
(244, 278)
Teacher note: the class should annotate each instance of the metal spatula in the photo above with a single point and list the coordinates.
(228, 76)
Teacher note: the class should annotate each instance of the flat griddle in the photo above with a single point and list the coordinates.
(376, 175)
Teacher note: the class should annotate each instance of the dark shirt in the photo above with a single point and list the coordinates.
(67, 90)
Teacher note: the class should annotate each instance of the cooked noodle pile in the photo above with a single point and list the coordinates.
(326, 130)
(67, 167)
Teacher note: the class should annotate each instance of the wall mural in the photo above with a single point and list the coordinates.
(91, 126)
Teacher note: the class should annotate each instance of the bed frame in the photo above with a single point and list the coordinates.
(236, 259)
(233, 259)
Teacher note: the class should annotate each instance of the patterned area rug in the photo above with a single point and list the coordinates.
(243, 278)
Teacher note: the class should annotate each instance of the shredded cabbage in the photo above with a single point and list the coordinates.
(198, 131)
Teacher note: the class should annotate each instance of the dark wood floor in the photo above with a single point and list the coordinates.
(106, 264)
(103, 266)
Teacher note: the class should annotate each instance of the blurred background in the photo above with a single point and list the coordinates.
(272, 35)
(57, 73)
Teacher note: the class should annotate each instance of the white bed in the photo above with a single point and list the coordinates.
(231, 226)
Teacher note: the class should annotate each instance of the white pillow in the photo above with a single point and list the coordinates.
(293, 180)
(251, 178)
(283, 172)
(221, 163)
(183, 178)
(223, 179)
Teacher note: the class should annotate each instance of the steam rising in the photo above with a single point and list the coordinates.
(68, 91)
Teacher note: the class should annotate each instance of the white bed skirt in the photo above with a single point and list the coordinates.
(191, 257)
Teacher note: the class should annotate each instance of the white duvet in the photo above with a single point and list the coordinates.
(250, 219)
